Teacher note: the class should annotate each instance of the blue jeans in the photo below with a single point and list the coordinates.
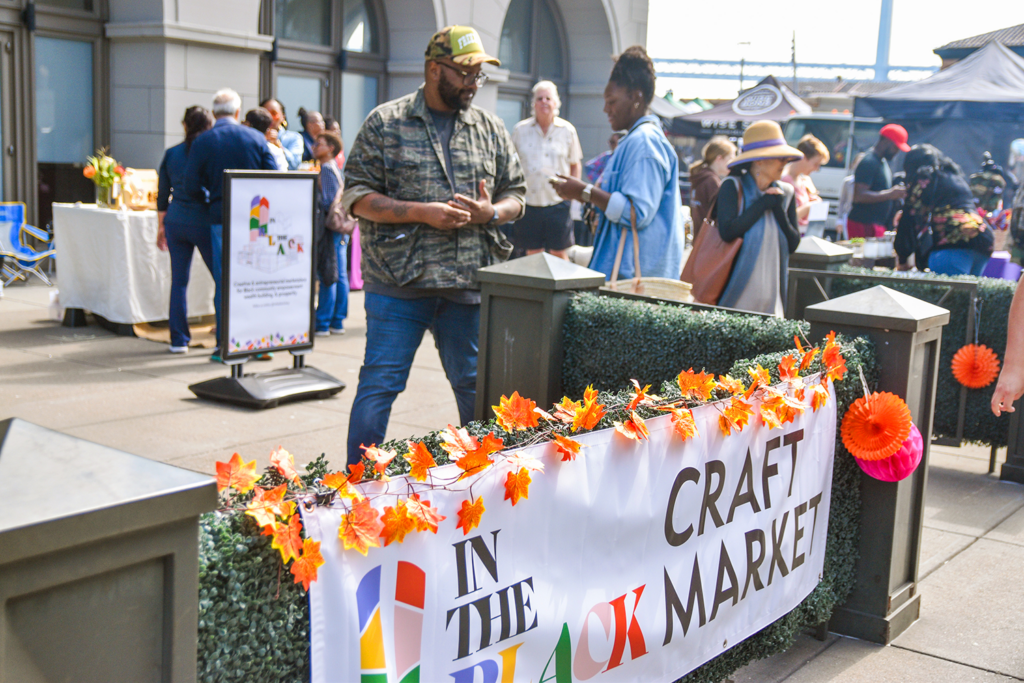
(182, 240)
(957, 261)
(217, 241)
(332, 301)
(394, 330)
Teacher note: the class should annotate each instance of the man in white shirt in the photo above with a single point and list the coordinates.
(547, 146)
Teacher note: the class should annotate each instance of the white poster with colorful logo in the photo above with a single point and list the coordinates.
(638, 561)
(268, 280)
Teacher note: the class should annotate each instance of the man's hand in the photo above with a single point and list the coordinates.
(480, 211)
(569, 187)
(161, 239)
(448, 216)
(897, 192)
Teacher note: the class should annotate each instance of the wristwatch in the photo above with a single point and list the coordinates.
(585, 195)
(494, 219)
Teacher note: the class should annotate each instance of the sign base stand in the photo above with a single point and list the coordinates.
(268, 389)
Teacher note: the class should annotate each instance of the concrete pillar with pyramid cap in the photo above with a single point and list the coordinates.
(816, 254)
(99, 561)
(522, 308)
(906, 332)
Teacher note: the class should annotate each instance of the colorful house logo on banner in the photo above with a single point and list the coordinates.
(266, 251)
(410, 587)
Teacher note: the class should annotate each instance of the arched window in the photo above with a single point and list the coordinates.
(532, 48)
(329, 56)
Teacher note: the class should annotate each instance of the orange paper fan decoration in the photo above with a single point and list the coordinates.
(876, 426)
(975, 366)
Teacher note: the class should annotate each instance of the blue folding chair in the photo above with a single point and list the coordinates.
(19, 259)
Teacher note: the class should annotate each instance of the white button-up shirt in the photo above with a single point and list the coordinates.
(543, 156)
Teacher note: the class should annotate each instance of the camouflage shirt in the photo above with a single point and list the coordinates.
(398, 153)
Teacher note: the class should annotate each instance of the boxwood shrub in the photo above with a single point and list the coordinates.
(254, 622)
(980, 425)
(609, 341)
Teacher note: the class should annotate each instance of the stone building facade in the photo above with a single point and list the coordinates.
(76, 75)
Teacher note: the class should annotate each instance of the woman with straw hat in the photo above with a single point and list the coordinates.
(754, 205)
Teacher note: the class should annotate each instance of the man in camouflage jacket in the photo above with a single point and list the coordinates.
(431, 178)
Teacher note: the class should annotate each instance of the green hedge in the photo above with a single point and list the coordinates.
(980, 425)
(609, 341)
(249, 631)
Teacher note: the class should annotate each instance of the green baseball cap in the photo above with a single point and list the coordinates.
(461, 44)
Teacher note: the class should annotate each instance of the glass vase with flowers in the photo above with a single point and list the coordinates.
(105, 173)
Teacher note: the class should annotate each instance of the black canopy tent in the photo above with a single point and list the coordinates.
(769, 99)
(971, 107)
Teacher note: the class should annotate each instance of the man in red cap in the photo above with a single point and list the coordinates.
(873, 192)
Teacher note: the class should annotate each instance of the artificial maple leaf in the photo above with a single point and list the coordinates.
(343, 482)
(769, 418)
(787, 368)
(834, 362)
(566, 410)
(633, 428)
(695, 385)
(470, 514)
(397, 523)
(683, 423)
(477, 458)
(735, 416)
(425, 517)
(360, 528)
(785, 408)
(528, 461)
(727, 383)
(760, 376)
(546, 415)
(799, 346)
(236, 474)
(515, 412)
(288, 539)
(517, 485)
(808, 358)
(641, 397)
(819, 396)
(285, 464)
(590, 393)
(305, 568)
(457, 442)
(567, 448)
(799, 393)
(380, 457)
(267, 504)
(420, 460)
(589, 414)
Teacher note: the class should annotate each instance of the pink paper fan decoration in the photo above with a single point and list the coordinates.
(900, 464)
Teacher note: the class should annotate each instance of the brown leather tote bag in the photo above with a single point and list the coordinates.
(710, 263)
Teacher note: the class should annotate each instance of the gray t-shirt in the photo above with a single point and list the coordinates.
(445, 124)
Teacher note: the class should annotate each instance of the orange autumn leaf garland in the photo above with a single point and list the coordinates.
(633, 428)
(696, 386)
(515, 412)
(288, 539)
(397, 523)
(735, 416)
(360, 527)
(420, 460)
(305, 568)
(566, 447)
(236, 474)
(470, 514)
(517, 485)
(975, 366)
(285, 464)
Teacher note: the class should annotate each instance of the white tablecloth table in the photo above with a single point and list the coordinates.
(108, 263)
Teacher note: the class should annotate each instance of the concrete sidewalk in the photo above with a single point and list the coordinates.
(132, 394)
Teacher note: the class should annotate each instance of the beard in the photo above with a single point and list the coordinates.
(454, 97)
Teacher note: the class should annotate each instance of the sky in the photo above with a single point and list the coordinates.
(827, 31)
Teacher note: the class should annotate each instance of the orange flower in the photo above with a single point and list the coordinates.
(89, 171)
(975, 366)
(876, 426)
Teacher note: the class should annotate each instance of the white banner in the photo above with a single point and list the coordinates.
(637, 561)
(268, 283)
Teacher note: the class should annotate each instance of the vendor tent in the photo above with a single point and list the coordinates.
(769, 99)
(971, 107)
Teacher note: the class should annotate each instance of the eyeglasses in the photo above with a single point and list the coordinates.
(467, 78)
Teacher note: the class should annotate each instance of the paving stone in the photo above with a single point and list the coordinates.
(856, 661)
(778, 668)
(1011, 530)
(971, 610)
(938, 547)
(963, 499)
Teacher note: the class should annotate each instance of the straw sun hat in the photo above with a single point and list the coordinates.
(764, 140)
